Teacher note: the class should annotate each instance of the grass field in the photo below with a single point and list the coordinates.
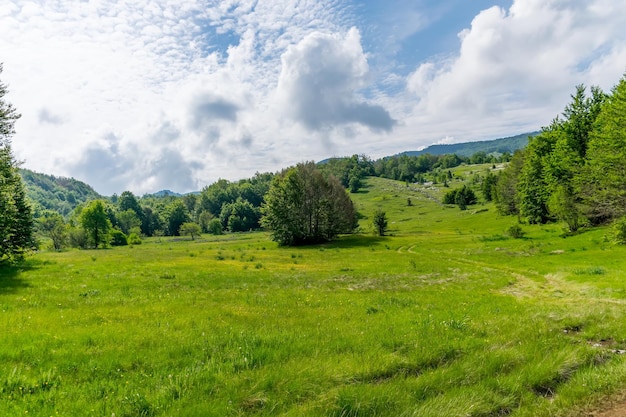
(447, 316)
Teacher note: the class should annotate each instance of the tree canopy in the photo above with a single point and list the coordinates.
(575, 169)
(304, 206)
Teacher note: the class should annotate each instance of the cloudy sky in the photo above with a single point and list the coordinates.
(144, 95)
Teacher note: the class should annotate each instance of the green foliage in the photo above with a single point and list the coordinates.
(302, 206)
(118, 238)
(240, 216)
(515, 231)
(134, 239)
(214, 227)
(603, 180)
(16, 220)
(127, 219)
(380, 222)
(618, 231)
(60, 194)
(52, 225)
(462, 197)
(190, 229)
(77, 237)
(95, 222)
(506, 195)
(488, 186)
(176, 216)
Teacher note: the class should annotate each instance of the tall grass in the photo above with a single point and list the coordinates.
(435, 320)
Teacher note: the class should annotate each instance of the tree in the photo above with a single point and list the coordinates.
(463, 197)
(240, 216)
(215, 227)
(128, 220)
(304, 206)
(603, 180)
(506, 197)
(16, 220)
(177, 215)
(96, 223)
(488, 186)
(190, 229)
(380, 222)
(52, 225)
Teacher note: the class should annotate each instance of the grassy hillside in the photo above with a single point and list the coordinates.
(47, 192)
(499, 146)
(447, 316)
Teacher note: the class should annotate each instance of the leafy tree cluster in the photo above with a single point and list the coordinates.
(349, 171)
(575, 169)
(462, 197)
(305, 206)
(16, 220)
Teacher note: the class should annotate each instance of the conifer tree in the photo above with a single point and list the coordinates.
(16, 220)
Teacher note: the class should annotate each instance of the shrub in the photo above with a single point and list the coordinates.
(118, 238)
(134, 239)
(618, 231)
(215, 227)
(515, 231)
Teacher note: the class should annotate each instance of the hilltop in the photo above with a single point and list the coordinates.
(61, 194)
(498, 146)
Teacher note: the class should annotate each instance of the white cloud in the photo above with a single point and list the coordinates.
(150, 94)
(518, 67)
(320, 80)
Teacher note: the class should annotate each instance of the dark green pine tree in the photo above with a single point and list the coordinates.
(603, 181)
(16, 220)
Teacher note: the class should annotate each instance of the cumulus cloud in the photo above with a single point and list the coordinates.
(320, 80)
(519, 63)
(152, 94)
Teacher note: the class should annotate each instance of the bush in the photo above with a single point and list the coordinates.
(515, 231)
(618, 231)
(463, 197)
(215, 227)
(134, 239)
(118, 238)
(78, 237)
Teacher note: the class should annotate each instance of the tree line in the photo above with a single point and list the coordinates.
(574, 170)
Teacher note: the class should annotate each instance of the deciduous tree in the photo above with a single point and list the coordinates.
(303, 206)
(96, 223)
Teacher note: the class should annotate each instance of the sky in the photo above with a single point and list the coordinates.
(144, 95)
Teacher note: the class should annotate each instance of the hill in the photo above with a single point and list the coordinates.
(61, 194)
(501, 145)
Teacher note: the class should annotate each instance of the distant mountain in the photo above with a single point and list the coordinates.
(47, 192)
(165, 193)
(502, 145)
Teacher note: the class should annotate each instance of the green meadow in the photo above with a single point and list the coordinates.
(445, 316)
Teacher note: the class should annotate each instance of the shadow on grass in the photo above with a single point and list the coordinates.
(347, 242)
(10, 281)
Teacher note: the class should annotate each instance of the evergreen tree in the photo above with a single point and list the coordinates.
(603, 181)
(16, 220)
(380, 222)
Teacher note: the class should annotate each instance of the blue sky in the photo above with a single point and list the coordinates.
(143, 95)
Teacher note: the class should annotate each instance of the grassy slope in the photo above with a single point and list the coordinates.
(446, 317)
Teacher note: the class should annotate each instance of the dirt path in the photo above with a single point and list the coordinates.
(615, 408)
